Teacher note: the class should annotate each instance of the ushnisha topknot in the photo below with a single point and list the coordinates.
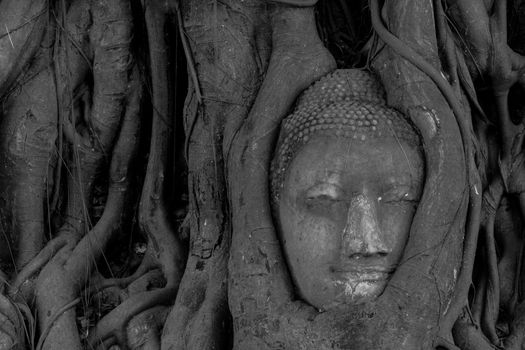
(347, 103)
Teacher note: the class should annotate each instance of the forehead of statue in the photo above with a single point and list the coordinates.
(352, 164)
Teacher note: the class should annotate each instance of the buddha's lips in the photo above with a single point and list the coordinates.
(364, 273)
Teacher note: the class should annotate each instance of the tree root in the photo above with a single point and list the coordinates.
(98, 285)
(78, 260)
(22, 288)
(459, 299)
(114, 324)
(200, 318)
(63, 268)
(153, 218)
(298, 58)
(469, 337)
(515, 340)
(143, 330)
(11, 325)
(492, 199)
(52, 320)
(162, 242)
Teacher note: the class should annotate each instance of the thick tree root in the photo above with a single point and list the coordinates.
(516, 338)
(228, 83)
(429, 100)
(51, 323)
(69, 271)
(22, 288)
(115, 323)
(491, 58)
(99, 284)
(11, 326)
(257, 272)
(143, 331)
(469, 337)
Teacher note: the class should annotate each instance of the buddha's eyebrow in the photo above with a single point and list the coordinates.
(408, 180)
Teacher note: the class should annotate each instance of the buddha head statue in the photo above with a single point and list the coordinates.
(346, 178)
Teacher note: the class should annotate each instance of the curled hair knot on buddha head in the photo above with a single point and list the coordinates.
(348, 103)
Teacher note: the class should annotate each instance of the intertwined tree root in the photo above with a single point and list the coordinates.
(100, 103)
(73, 89)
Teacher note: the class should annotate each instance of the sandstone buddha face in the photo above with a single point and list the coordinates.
(345, 214)
(346, 179)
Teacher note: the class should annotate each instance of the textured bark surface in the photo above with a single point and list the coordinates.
(230, 45)
(128, 221)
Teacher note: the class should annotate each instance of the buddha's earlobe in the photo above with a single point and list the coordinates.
(362, 234)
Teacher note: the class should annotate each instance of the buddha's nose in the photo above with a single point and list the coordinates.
(362, 235)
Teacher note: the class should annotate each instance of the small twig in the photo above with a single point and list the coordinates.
(9, 35)
(193, 75)
(188, 54)
(492, 296)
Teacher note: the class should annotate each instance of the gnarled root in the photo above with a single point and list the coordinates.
(11, 326)
(144, 329)
(116, 322)
(258, 276)
(163, 242)
(62, 279)
(22, 288)
(468, 336)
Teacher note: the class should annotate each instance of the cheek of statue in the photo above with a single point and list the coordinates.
(345, 215)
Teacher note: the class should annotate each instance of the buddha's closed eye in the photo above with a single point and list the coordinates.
(324, 198)
(399, 194)
(325, 191)
(328, 192)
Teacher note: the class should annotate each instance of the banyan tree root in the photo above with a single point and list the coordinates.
(163, 243)
(491, 59)
(29, 122)
(116, 85)
(22, 287)
(143, 331)
(68, 272)
(83, 164)
(23, 25)
(517, 332)
(28, 127)
(219, 100)
(153, 214)
(105, 130)
(460, 293)
(468, 336)
(258, 279)
(11, 326)
(111, 329)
